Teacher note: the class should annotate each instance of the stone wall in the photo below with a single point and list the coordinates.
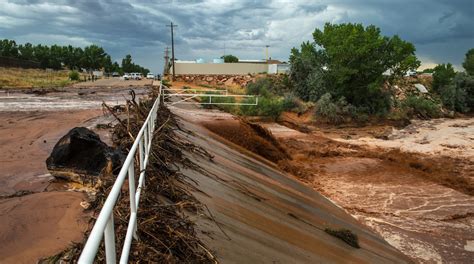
(216, 80)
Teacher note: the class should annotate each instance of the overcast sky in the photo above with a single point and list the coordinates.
(442, 30)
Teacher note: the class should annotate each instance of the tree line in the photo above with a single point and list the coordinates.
(57, 57)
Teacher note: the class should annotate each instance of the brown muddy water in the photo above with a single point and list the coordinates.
(43, 223)
(420, 201)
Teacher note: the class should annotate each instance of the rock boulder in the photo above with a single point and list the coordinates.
(80, 156)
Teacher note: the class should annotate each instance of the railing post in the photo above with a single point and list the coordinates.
(132, 190)
(109, 235)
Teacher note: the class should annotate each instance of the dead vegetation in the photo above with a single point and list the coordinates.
(166, 234)
(32, 78)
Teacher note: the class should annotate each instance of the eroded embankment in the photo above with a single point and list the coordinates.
(421, 204)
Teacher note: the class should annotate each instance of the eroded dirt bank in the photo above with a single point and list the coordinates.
(421, 204)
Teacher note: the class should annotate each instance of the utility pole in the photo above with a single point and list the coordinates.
(172, 45)
(166, 68)
(266, 51)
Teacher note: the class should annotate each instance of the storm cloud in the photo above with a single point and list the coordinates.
(442, 30)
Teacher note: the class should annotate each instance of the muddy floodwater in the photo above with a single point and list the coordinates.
(414, 188)
(46, 221)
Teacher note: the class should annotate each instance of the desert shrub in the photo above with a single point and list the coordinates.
(442, 76)
(166, 83)
(420, 107)
(219, 102)
(339, 111)
(294, 104)
(276, 85)
(468, 63)
(261, 86)
(267, 106)
(326, 108)
(459, 94)
(74, 76)
(345, 235)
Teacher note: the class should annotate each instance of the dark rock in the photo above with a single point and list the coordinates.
(81, 156)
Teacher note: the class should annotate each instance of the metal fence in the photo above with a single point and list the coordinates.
(19, 63)
(205, 97)
(104, 225)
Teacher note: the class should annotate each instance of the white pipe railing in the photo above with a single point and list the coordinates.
(104, 225)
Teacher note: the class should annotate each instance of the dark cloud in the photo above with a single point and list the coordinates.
(442, 30)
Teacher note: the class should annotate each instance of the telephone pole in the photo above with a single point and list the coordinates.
(266, 51)
(166, 68)
(172, 45)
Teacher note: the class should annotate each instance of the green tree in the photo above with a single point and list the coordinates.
(93, 58)
(468, 63)
(8, 48)
(42, 55)
(348, 60)
(56, 57)
(108, 65)
(26, 51)
(443, 75)
(127, 65)
(308, 72)
(230, 58)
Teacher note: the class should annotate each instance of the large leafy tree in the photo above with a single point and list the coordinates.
(443, 75)
(93, 57)
(468, 63)
(230, 58)
(348, 60)
(8, 48)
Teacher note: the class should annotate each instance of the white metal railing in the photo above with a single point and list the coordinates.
(189, 94)
(104, 225)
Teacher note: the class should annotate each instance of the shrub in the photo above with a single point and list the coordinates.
(166, 83)
(459, 94)
(345, 235)
(339, 111)
(420, 107)
(261, 86)
(219, 102)
(74, 76)
(267, 106)
(442, 76)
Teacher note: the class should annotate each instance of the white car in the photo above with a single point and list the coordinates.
(135, 76)
(126, 76)
(150, 76)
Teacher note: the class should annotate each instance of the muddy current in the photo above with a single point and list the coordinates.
(420, 202)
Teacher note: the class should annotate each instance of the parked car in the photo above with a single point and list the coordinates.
(115, 74)
(150, 76)
(126, 76)
(136, 76)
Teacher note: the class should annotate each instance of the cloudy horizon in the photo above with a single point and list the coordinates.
(441, 30)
